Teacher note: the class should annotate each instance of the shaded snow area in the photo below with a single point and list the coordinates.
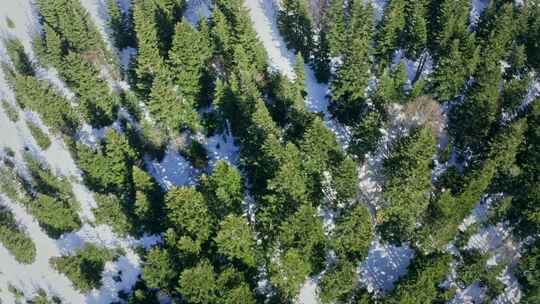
(173, 170)
(478, 6)
(29, 278)
(222, 147)
(264, 16)
(472, 294)
(378, 7)
(38, 274)
(195, 9)
(384, 264)
(369, 177)
(494, 240)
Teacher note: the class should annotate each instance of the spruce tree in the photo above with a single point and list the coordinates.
(187, 59)
(321, 58)
(170, 108)
(149, 62)
(414, 35)
(295, 24)
(337, 39)
(392, 25)
(408, 186)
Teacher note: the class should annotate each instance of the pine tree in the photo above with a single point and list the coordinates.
(321, 58)
(170, 108)
(348, 89)
(97, 105)
(337, 27)
(187, 59)
(236, 240)
(167, 14)
(295, 24)
(289, 273)
(223, 190)
(149, 60)
(304, 231)
(338, 282)
(421, 284)
(189, 219)
(72, 23)
(18, 57)
(198, 284)
(408, 186)
(159, 270)
(300, 75)
(414, 35)
(390, 28)
(452, 71)
(352, 77)
(353, 234)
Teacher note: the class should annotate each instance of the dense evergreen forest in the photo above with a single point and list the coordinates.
(429, 138)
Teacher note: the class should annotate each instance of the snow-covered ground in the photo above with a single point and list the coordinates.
(384, 265)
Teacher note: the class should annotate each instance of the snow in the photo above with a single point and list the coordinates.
(125, 57)
(308, 293)
(38, 274)
(29, 278)
(512, 293)
(173, 170)
(478, 6)
(197, 8)
(472, 294)
(384, 265)
(222, 147)
(378, 7)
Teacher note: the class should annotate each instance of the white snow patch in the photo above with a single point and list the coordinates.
(125, 57)
(173, 170)
(378, 7)
(308, 293)
(472, 294)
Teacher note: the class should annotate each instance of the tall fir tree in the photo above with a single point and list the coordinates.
(149, 61)
(337, 38)
(188, 57)
(296, 26)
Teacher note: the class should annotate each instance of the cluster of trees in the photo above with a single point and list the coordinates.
(15, 239)
(292, 165)
(47, 197)
(210, 248)
(85, 267)
(129, 199)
